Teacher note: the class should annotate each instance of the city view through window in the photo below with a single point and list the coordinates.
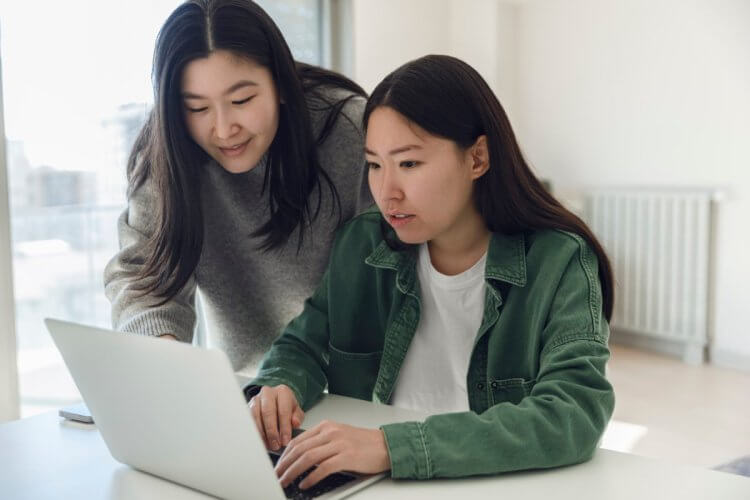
(76, 90)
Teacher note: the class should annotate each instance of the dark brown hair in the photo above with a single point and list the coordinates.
(448, 98)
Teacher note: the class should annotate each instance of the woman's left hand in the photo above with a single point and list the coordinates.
(333, 447)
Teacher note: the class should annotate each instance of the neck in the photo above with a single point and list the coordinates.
(461, 248)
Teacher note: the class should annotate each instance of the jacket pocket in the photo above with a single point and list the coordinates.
(511, 390)
(353, 374)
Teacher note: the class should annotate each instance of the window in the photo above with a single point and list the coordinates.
(76, 89)
(301, 22)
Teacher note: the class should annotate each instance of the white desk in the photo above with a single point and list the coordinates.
(46, 457)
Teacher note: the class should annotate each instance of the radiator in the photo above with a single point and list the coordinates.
(660, 245)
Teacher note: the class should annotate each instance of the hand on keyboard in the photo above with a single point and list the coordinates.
(276, 412)
(332, 447)
(331, 482)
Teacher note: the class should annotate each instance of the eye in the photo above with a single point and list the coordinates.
(371, 165)
(410, 163)
(196, 110)
(243, 101)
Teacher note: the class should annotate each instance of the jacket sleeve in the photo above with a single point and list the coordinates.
(299, 356)
(558, 423)
(131, 311)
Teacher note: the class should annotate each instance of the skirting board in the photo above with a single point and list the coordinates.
(695, 355)
(730, 359)
(689, 353)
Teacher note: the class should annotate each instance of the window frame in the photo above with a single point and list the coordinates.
(9, 393)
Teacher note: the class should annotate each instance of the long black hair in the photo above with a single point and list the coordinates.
(165, 153)
(448, 98)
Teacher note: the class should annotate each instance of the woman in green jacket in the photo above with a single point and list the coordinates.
(469, 293)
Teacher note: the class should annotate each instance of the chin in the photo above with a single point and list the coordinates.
(238, 165)
(410, 239)
(233, 169)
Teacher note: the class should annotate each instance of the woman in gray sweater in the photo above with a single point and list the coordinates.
(246, 167)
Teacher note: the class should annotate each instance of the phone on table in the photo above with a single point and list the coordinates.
(78, 413)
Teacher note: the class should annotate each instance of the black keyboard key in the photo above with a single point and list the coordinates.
(330, 483)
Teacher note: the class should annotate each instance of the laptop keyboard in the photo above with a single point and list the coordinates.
(328, 484)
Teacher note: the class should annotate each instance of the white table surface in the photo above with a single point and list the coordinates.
(47, 457)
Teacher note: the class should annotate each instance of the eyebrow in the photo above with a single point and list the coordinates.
(397, 150)
(235, 87)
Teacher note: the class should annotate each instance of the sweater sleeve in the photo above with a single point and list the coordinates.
(132, 311)
(558, 423)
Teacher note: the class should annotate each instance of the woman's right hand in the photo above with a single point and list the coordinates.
(276, 412)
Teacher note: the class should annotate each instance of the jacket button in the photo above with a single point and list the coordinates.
(494, 385)
(480, 386)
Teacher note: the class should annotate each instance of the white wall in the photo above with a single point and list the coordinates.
(633, 92)
(605, 93)
(388, 33)
(484, 34)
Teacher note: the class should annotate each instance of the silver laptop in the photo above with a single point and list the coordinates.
(177, 411)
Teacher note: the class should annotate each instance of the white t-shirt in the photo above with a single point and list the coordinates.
(433, 375)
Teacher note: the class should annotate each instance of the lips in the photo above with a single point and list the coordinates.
(398, 219)
(235, 150)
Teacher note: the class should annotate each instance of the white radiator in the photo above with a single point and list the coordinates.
(660, 246)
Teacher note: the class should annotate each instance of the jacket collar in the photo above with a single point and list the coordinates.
(404, 262)
(506, 261)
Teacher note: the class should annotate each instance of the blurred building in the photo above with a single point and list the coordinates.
(48, 187)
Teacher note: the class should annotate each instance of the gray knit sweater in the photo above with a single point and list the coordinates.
(246, 295)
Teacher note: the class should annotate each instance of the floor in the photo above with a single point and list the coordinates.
(670, 410)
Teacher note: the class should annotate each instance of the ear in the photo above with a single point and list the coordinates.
(480, 157)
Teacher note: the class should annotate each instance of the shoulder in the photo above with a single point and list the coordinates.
(363, 231)
(340, 144)
(559, 247)
(358, 238)
(556, 257)
(344, 107)
(323, 96)
(354, 104)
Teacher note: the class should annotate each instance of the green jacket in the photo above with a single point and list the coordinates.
(537, 391)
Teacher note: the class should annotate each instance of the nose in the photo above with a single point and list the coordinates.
(390, 187)
(225, 125)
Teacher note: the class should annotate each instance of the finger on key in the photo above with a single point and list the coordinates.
(324, 469)
(297, 417)
(255, 412)
(285, 418)
(305, 461)
(268, 413)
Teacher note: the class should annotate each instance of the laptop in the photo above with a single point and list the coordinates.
(177, 411)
